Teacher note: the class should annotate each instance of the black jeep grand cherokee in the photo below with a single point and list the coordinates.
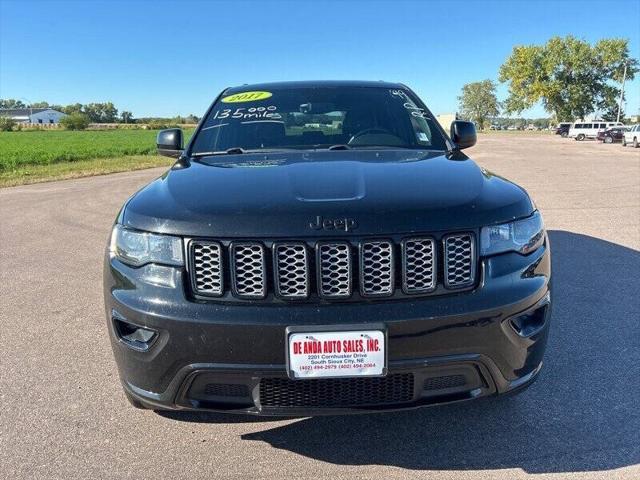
(325, 247)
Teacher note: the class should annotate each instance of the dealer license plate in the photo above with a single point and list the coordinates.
(337, 354)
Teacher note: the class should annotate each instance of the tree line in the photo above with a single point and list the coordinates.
(569, 76)
(105, 112)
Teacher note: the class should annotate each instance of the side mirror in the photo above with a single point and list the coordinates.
(169, 142)
(463, 134)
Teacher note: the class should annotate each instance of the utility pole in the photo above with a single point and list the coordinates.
(624, 77)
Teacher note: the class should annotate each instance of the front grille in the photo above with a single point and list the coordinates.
(334, 264)
(337, 392)
(459, 260)
(291, 267)
(339, 270)
(248, 268)
(419, 266)
(207, 268)
(376, 268)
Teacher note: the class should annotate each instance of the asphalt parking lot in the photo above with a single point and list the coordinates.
(63, 414)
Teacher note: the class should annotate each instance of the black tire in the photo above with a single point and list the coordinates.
(564, 134)
(580, 137)
(608, 139)
(134, 401)
(624, 142)
(635, 142)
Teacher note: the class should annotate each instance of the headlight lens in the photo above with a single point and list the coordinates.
(522, 236)
(139, 248)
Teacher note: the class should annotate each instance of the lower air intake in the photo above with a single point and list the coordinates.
(226, 390)
(337, 392)
(441, 383)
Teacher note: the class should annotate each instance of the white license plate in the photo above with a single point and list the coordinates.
(337, 354)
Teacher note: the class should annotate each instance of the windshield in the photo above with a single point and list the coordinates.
(313, 118)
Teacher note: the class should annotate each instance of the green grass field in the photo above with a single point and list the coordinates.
(32, 156)
(44, 155)
(53, 146)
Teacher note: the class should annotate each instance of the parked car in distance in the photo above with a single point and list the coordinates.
(583, 130)
(282, 269)
(611, 135)
(563, 129)
(632, 136)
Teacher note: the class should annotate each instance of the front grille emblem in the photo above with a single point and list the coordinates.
(321, 223)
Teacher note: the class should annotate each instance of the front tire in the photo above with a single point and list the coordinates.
(635, 142)
(624, 142)
(580, 137)
(608, 140)
(564, 134)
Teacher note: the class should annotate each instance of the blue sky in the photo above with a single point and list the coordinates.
(169, 58)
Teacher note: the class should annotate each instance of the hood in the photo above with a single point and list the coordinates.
(325, 193)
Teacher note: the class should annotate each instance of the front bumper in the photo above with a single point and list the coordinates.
(231, 358)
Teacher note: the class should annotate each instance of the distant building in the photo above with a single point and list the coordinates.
(32, 115)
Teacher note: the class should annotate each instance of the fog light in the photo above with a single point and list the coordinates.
(531, 322)
(138, 338)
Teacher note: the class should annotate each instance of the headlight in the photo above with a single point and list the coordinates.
(522, 236)
(139, 248)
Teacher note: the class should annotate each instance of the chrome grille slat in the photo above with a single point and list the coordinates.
(334, 269)
(376, 268)
(419, 265)
(248, 270)
(207, 268)
(459, 265)
(291, 269)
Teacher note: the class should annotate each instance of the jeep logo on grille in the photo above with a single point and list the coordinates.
(346, 224)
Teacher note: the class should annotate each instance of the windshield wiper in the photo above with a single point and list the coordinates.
(240, 151)
(234, 151)
(228, 151)
(340, 146)
(401, 147)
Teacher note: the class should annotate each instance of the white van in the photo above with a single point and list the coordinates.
(582, 130)
(632, 136)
